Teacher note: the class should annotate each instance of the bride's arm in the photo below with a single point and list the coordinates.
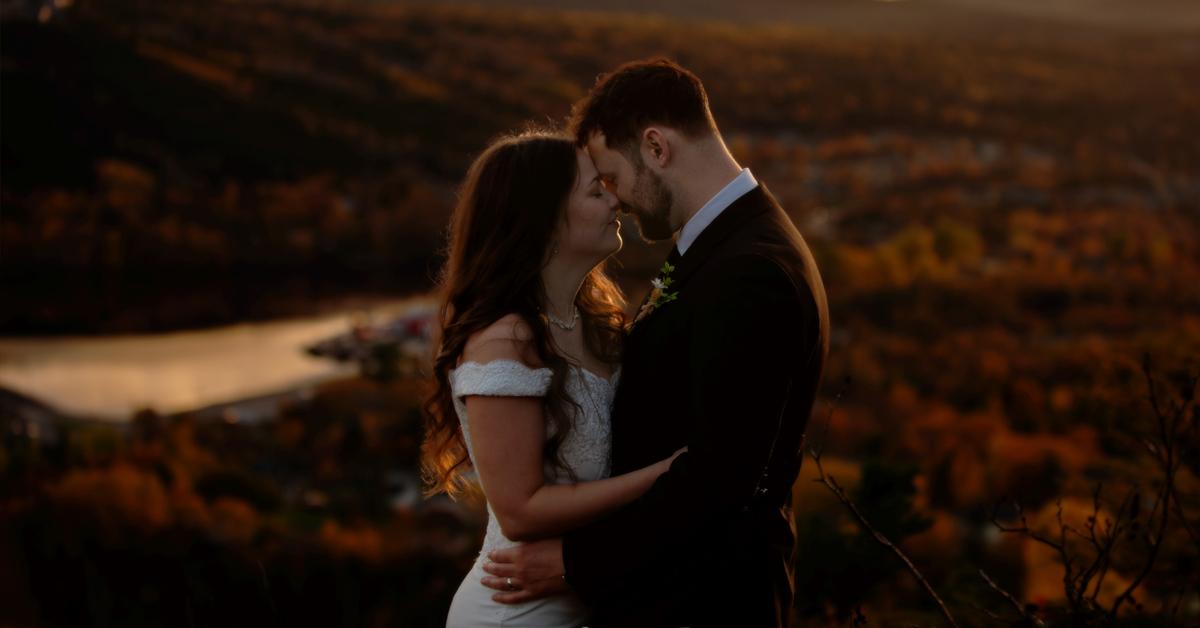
(507, 436)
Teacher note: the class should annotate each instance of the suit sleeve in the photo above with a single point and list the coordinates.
(748, 331)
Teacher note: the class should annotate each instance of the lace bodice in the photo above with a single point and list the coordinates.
(588, 447)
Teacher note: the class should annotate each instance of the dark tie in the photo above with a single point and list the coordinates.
(673, 258)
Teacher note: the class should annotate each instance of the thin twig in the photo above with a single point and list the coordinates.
(1011, 600)
(1171, 438)
(831, 483)
(991, 614)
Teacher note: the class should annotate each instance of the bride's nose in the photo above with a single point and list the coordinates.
(613, 201)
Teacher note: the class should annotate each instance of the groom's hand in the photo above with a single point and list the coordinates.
(536, 570)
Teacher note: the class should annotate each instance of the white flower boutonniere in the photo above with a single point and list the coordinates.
(658, 292)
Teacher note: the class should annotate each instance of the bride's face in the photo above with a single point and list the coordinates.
(590, 229)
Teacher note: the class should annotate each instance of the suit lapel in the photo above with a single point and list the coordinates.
(744, 208)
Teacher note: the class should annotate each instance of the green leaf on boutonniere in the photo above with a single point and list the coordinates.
(658, 292)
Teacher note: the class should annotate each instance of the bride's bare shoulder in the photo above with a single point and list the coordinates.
(508, 338)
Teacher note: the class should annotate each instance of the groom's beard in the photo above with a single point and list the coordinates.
(653, 211)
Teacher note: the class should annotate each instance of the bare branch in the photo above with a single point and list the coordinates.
(1187, 526)
(816, 451)
(1167, 446)
(1170, 442)
(1024, 529)
(831, 483)
(1008, 596)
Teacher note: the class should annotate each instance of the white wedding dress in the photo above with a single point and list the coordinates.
(586, 450)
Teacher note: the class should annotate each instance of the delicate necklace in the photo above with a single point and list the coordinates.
(564, 324)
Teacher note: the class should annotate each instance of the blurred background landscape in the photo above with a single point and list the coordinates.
(220, 222)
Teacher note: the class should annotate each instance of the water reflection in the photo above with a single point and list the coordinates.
(110, 377)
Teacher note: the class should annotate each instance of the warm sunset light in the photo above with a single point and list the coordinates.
(360, 313)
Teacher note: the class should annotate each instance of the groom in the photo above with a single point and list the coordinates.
(725, 357)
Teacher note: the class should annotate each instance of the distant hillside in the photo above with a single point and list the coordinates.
(910, 16)
(194, 162)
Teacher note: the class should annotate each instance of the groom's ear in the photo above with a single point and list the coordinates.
(656, 148)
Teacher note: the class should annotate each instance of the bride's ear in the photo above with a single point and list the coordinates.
(656, 148)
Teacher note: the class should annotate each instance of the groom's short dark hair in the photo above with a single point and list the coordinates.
(639, 94)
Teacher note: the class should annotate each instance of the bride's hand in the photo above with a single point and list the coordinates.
(661, 466)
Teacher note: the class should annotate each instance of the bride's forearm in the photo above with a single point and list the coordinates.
(555, 508)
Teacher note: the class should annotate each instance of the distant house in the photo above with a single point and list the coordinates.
(406, 339)
(26, 419)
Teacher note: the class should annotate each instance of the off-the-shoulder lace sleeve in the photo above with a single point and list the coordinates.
(499, 378)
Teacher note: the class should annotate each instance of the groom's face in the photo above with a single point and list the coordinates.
(639, 189)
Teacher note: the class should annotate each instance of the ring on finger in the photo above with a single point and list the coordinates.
(509, 583)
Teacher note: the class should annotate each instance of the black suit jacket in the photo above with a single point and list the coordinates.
(730, 369)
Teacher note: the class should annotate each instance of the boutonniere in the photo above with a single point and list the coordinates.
(658, 292)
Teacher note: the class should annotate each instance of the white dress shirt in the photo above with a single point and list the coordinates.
(732, 191)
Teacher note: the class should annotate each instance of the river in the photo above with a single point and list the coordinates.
(111, 377)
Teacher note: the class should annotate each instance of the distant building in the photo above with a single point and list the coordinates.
(24, 419)
(405, 340)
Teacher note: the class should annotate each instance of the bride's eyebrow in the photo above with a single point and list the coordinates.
(589, 184)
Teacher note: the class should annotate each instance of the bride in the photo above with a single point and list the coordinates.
(530, 332)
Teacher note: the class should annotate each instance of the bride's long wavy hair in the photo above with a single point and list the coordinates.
(509, 205)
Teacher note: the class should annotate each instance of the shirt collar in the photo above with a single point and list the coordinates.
(732, 191)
